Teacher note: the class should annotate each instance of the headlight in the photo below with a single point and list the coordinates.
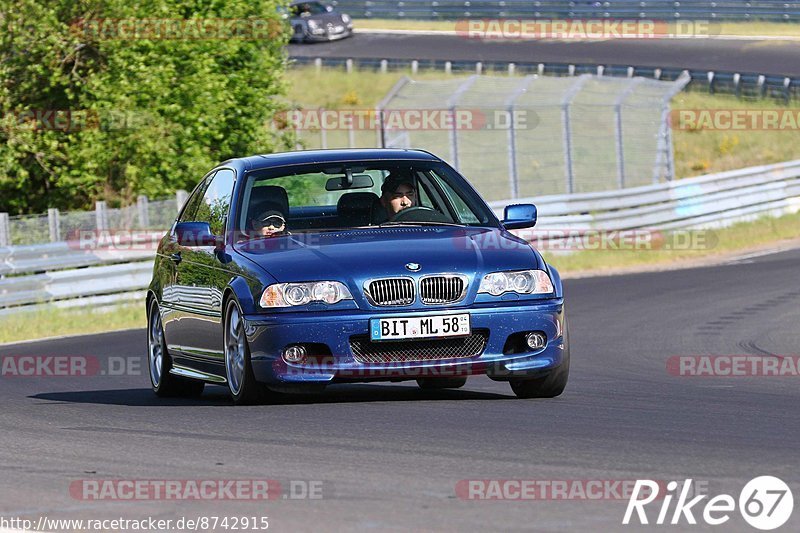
(346, 19)
(520, 281)
(294, 294)
(313, 24)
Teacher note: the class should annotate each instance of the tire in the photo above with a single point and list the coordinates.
(441, 383)
(159, 361)
(549, 386)
(242, 384)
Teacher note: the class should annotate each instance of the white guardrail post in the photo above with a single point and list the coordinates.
(101, 215)
(180, 198)
(54, 224)
(143, 210)
(5, 231)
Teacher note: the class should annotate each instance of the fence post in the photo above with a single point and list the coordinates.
(5, 230)
(566, 101)
(787, 92)
(414, 66)
(101, 215)
(318, 64)
(631, 87)
(384, 66)
(348, 66)
(144, 211)
(351, 134)
(54, 223)
(513, 174)
(452, 103)
(448, 67)
(323, 132)
(180, 197)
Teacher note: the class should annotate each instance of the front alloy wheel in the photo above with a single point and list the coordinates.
(242, 383)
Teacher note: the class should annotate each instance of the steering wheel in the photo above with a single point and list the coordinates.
(419, 214)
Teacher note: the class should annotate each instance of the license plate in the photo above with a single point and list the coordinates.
(419, 327)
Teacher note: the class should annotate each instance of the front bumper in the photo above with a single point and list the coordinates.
(268, 335)
(325, 36)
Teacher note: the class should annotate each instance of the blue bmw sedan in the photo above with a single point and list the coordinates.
(292, 271)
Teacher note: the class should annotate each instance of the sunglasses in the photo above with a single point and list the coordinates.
(274, 221)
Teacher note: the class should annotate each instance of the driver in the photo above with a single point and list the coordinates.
(398, 193)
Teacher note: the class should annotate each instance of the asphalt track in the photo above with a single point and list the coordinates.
(779, 58)
(389, 456)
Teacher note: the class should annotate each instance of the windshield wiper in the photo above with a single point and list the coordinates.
(421, 223)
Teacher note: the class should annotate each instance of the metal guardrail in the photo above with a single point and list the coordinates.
(48, 273)
(775, 10)
(713, 200)
(743, 85)
(58, 226)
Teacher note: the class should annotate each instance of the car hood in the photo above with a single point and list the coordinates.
(356, 255)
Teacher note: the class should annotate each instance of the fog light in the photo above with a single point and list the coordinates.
(294, 354)
(536, 340)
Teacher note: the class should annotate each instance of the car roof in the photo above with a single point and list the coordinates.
(300, 157)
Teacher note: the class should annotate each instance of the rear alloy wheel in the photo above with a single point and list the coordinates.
(550, 385)
(160, 363)
(242, 384)
(441, 383)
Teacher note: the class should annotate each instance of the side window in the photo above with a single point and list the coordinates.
(216, 201)
(465, 214)
(193, 201)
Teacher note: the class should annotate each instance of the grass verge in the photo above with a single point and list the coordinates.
(52, 322)
(759, 28)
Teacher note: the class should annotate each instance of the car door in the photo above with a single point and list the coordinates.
(202, 277)
(173, 298)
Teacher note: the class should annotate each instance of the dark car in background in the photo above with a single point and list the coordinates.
(315, 21)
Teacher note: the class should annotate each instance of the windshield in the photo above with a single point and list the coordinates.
(307, 8)
(363, 194)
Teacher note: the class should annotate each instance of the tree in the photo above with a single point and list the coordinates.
(111, 99)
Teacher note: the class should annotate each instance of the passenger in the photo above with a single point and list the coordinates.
(268, 224)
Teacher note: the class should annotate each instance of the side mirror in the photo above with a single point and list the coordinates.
(519, 216)
(193, 234)
(328, 8)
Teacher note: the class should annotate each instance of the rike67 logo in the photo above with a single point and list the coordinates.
(765, 503)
